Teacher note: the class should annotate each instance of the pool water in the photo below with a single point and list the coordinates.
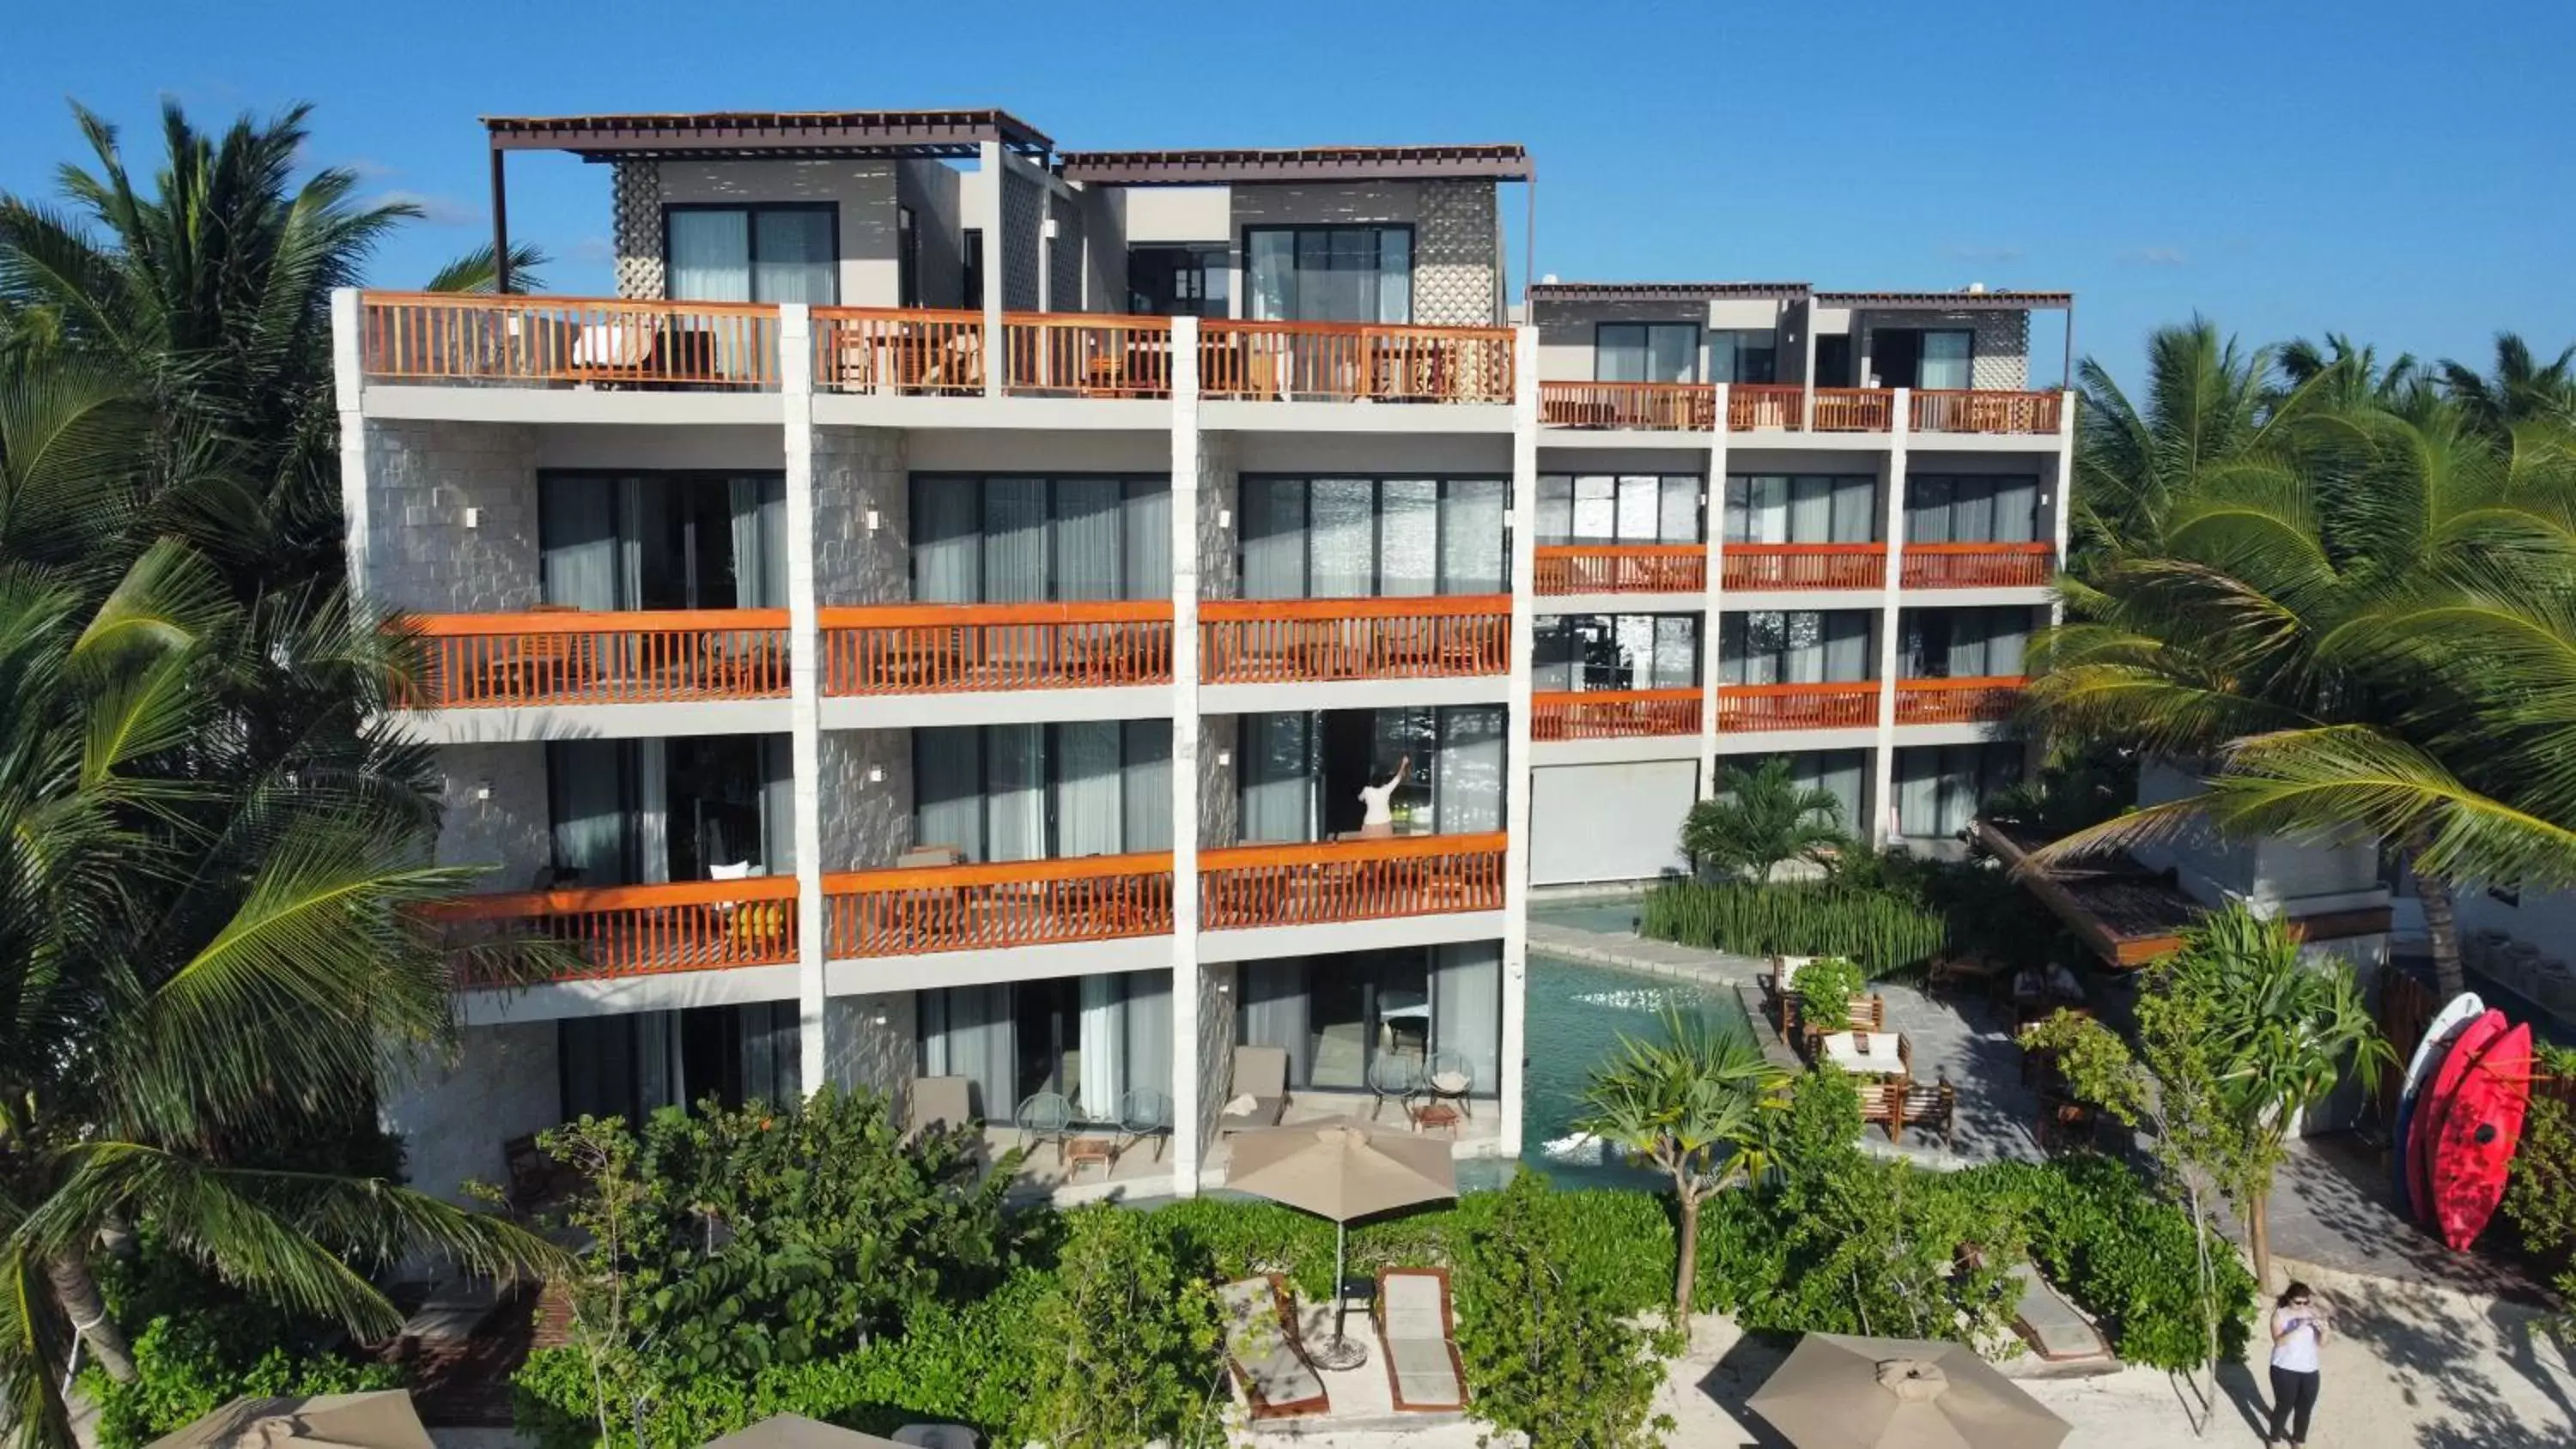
(1577, 1013)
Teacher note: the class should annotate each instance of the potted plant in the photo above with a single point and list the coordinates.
(1826, 988)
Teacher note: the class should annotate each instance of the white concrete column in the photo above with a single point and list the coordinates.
(348, 386)
(1516, 740)
(804, 687)
(990, 160)
(1188, 1092)
(1713, 602)
(2064, 501)
(1883, 763)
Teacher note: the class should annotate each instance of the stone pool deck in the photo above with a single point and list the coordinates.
(1968, 1040)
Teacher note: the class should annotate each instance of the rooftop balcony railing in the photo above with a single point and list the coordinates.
(1748, 707)
(951, 648)
(1349, 880)
(1620, 568)
(1855, 409)
(1614, 714)
(898, 351)
(1978, 565)
(458, 338)
(1804, 565)
(1354, 362)
(1753, 407)
(1084, 355)
(1944, 411)
(1642, 406)
(574, 656)
(1288, 641)
(637, 930)
(1958, 701)
(915, 910)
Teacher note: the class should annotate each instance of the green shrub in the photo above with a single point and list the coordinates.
(1550, 1349)
(1885, 932)
(189, 1365)
(1826, 988)
(1134, 1339)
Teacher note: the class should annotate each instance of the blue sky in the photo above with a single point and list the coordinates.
(2403, 173)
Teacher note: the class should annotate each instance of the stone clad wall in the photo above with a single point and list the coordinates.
(422, 478)
(856, 469)
(507, 829)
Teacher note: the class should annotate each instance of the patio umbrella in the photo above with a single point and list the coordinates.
(1838, 1391)
(380, 1420)
(795, 1431)
(1341, 1169)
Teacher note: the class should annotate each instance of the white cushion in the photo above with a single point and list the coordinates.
(1240, 1106)
(736, 870)
(1451, 1082)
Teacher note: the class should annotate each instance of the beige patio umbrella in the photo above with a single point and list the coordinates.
(795, 1431)
(1341, 1169)
(383, 1419)
(1840, 1391)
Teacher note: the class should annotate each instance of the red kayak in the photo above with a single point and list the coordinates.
(2479, 1134)
(2436, 1104)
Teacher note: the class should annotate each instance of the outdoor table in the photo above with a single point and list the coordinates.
(1864, 1053)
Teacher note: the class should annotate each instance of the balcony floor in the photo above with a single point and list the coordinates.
(1139, 1172)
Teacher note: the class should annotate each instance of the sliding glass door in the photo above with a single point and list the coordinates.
(1348, 538)
(1801, 646)
(1801, 508)
(1619, 508)
(1044, 791)
(1302, 772)
(1095, 1039)
(1646, 352)
(1971, 508)
(662, 540)
(1331, 273)
(782, 253)
(1338, 1015)
(1981, 643)
(629, 812)
(1005, 540)
(1616, 651)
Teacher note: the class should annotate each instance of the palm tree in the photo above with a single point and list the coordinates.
(2326, 622)
(2207, 402)
(1686, 1104)
(2517, 389)
(2348, 374)
(1761, 818)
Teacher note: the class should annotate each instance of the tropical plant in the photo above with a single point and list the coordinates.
(1762, 818)
(1887, 930)
(2360, 628)
(2517, 389)
(2344, 374)
(2237, 1036)
(1550, 1352)
(2540, 1196)
(1687, 1104)
(1826, 987)
(1135, 1337)
(2207, 402)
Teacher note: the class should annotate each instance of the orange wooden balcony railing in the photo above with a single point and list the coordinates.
(1087, 355)
(1944, 411)
(1349, 880)
(1851, 705)
(898, 350)
(1286, 641)
(638, 930)
(575, 656)
(1664, 407)
(1620, 568)
(948, 648)
(1613, 714)
(455, 337)
(1978, 565)
(1958, 701)
(1753, 406)
(1347, 361)
(1855, 409)
(982, 907)
(1804, 565)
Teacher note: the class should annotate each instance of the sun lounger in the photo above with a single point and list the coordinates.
(1420, 1335)
(939, 1103)
(2053, 1327)
(1260, 1074)
(1265, 1355)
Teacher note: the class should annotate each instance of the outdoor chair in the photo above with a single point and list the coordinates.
(1260, 1085)
(1045, 1117)
(1450, 1077)
(1264, 1353)
(1392, 1077)
(940, 1103)
(615, 351)
(1419, 1332)
(1144, 1112)
(1933, 1109)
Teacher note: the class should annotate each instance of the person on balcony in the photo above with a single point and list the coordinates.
(1378, 802)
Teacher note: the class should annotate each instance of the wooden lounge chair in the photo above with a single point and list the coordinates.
(1261, 1073)
(1420, 1334)
(1264, 1354)
(1897, 1104)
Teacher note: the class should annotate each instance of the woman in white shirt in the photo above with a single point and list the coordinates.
(2298, 1331)
(1377, 802)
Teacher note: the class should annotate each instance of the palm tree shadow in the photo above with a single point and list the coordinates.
(2237, 1383)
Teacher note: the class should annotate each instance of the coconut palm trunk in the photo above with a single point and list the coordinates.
(2442, 926)
(77, 1292)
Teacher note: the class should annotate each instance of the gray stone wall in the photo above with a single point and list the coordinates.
(1457, 275)
(1220, 515)
(1022, 210)
(1220, 800)
(635, 211)
(492, 812)
(866, 823)
(1216, 1044)
(2000, 353)
(422, 477)
(864, 1052)
(454, 1116)
(855, 470)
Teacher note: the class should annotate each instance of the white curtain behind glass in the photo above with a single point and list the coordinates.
(1945, 361)
(1104, 1047)
(710, 255)
(1089, 815)
(1394, 275)
(1149, 1031)
(1148, 785)
(1146, 522)
(1343, 537)
(1408, 537)
(1015, 805)
(586, 790)
(968, 1031)
(1467, 1008)
(1088, 553)
(1470, 783)
(1275, 1011)
(578, 562)
(947, 547)
(1274, 538)
(778, 805)
(1015, 540)
(794, 260)
(1278, 771)
(1471, 535)
(948, 784)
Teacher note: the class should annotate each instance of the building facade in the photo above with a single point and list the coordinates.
(956, 616)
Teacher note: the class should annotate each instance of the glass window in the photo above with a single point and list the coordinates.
(1804, 646)
(1801, 508)
(1945, 508)
(751, 254)
(1626, 508)
(1179, 281)
(1646, 352)
(1615, 651)
(1743, 356)
(1331, 273)
(1947, 361)
(1044, 791)
(979, 540)
(1350, 538)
